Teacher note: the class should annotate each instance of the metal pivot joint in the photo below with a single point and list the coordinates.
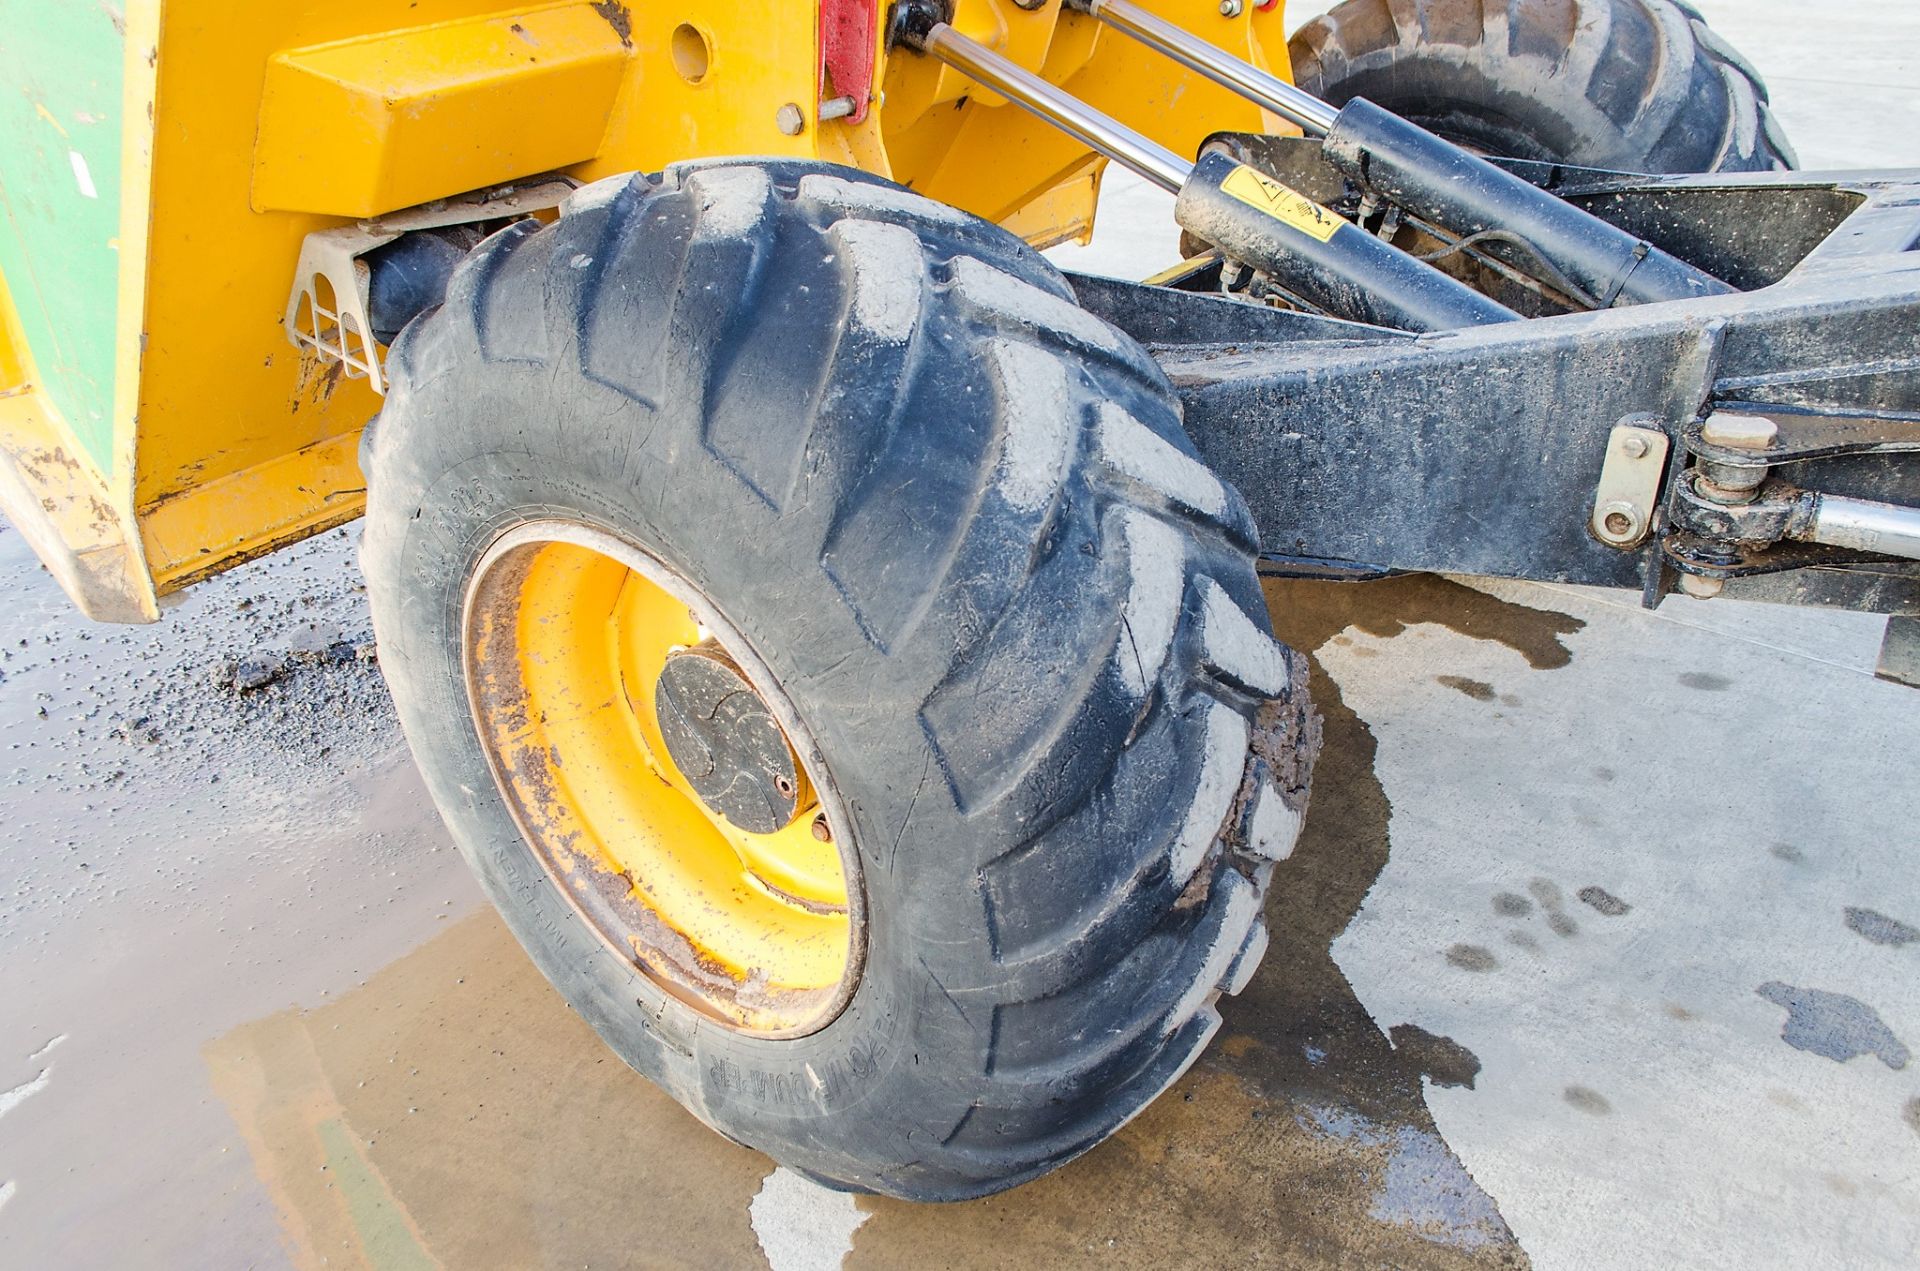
(1739, 516)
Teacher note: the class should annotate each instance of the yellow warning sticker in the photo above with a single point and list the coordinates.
(1257, 190)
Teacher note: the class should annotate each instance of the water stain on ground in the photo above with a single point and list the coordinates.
(1589, 1101)
(1442, 1060)
(453, 1108)
(1872, 925)
(1472, 957)
(1705, 682)
(1478, 690)
(1834, 1026)
(1553, 903)
(1604, 901)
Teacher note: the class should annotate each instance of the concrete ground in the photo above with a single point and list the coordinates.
(1599, 949)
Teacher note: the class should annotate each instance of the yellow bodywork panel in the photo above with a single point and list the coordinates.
(364, 126)
(247, 127)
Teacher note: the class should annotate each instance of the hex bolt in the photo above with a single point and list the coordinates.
(821, 830)
(1700, 588)
(791, 120)
(1232, 8)
(1635, 447)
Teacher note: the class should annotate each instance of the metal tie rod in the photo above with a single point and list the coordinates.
(1194, 53)
(1083, 123)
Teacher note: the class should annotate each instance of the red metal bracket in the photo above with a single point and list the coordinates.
(848, 30)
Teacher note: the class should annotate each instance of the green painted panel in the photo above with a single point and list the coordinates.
(60, 106)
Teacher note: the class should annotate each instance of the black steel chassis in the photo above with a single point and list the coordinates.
(1364, 450)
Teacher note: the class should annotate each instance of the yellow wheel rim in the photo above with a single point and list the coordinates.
(567, 631)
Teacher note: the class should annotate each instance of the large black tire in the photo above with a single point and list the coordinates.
(1631, 85)
(957, 518)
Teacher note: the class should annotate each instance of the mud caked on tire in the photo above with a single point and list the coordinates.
(1629, 85)
(956, 518)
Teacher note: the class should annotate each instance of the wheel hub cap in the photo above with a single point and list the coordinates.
(725, 740)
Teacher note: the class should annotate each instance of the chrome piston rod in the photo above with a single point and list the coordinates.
(1864, 527)
(1072, 116)
(1194, 53)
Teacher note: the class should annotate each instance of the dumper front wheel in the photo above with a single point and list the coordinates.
(821, 639)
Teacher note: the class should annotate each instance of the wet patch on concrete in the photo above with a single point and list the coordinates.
(1834, 1026)
(1305, 615)
(1472, 957)
(1592, 1102)
(1787, 852)
(1604, 901)
(1874, 926)
(1705, 682)
(1553, 903)
(1509, 905)
(1440, 1059)
(1910, 1113)
(1425, 1187)
(456, 1106)
(1478, 690)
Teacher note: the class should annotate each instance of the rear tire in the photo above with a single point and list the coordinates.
(956, 519)
(1629, 85)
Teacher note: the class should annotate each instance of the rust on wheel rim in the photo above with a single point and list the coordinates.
(594, 671)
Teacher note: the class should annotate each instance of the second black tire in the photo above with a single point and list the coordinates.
(1628, 85)
(957, 518)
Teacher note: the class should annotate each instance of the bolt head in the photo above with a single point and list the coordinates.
(791, 120)
(1635, 447)
(1231, 8)
(1700, 588)
(1619, 523)
(1739, 432)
